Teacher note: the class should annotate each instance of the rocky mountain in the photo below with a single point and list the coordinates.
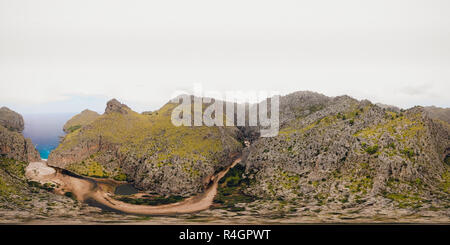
(332, 153)
(12, 143)
(341, 152)
(11, 120)
(389, 107)
(147, 150)
(79, 120)
(442, 114)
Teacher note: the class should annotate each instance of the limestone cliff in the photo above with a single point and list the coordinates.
(12, 143)
(11, 120)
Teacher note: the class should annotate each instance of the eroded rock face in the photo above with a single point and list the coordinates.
(11, 120)
(340, 150)
(147, 150)
(12, 143)
(389, 107)
(115, 106)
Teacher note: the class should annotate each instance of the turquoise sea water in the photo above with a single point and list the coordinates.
(45, 130)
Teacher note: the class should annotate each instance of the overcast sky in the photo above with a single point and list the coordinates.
(65, 56)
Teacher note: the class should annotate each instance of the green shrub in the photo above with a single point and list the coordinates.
(372, 149)
(70, 195)
(34, 184)
(237, 209)
(233, 181)
(447, 160)
(408, 152)
(230, 188)
(120, 177)
(73, 128)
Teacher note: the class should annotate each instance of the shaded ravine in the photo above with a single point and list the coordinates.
(99, 193)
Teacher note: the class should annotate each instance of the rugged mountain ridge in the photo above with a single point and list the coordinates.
(11, 120)
(147, 150)
(334, 152)
(340, 151)
(442, 114)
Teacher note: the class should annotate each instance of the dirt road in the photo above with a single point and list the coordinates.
(87, 190)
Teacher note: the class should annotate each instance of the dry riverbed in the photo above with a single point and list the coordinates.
(101, 193)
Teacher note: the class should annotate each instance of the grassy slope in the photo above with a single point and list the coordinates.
(79, 120)
(15, 190)
(149, 137)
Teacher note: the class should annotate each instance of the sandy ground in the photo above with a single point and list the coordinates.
(85, 189)
(37, 170)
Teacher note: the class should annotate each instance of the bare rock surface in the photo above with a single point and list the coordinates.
(11, 120)
(115, 106)
(350, 153)
(12, 143)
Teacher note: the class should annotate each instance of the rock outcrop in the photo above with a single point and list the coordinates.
(115, 106)
(11, 120)
(12, 143)
(389, 107)
(80, 120)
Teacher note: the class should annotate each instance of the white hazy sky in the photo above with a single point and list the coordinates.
(65, 56)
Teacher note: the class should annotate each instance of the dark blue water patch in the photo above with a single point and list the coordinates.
(125, 189)
(45, 130)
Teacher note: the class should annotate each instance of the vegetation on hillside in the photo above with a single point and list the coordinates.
(79, 120)
(229, 193)
(151, 142)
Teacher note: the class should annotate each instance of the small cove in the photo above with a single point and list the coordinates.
(45, 130)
